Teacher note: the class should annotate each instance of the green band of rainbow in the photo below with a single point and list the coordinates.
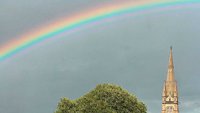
(67, 24)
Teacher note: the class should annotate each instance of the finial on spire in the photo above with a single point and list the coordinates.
(170, 47)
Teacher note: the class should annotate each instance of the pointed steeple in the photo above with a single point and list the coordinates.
(170, 73)
(170, 90)
(164, 90)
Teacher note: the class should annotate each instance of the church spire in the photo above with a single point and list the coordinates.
(170, 91)
(170, 73)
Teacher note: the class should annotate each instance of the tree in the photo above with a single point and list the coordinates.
(105, 98)
(65, 106)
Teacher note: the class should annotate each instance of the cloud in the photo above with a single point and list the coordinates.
(192, 106)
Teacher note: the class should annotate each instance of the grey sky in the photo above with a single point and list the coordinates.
(124, 51)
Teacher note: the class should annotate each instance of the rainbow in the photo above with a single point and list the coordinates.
(67, 24)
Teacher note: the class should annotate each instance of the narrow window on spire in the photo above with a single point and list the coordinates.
(169, 109)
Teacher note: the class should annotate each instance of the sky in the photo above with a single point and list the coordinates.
(131, 51)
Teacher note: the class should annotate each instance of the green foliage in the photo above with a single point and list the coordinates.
(105, 98)
(66, 106)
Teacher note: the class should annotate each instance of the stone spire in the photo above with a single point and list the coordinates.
(170, 73)
(170, 91)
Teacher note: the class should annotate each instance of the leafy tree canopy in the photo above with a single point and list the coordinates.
(105, 98)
